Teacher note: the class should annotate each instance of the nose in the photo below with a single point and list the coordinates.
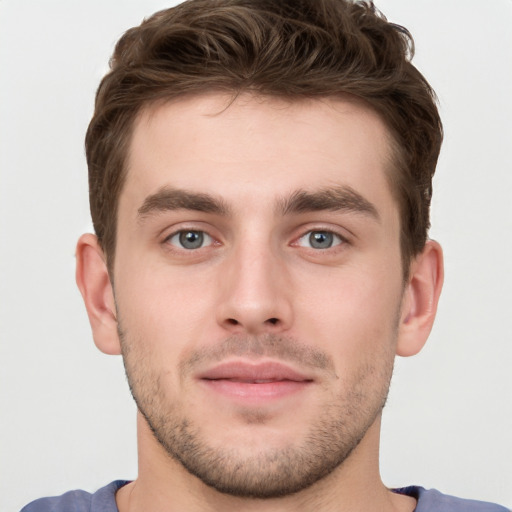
(255, 294)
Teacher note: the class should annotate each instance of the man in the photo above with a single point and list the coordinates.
(260, 181)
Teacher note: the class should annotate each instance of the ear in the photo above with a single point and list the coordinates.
(93, 281)
(420, 300)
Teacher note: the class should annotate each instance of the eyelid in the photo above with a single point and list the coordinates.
(207, 239)
(300, 231)
(167, 234)
(341, 239)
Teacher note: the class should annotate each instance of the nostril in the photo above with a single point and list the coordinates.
(233, 322)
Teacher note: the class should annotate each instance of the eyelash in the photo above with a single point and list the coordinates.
(336, 239)
(183, 232)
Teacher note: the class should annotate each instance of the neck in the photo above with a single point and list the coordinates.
(163, 485)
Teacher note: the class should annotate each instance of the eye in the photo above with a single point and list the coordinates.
(320, 240)
(190, 239)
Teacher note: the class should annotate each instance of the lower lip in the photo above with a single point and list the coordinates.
(255, 392)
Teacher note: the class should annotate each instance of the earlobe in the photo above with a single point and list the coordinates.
(420, 300)
(94, 283)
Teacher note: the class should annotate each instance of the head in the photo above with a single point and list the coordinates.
(287, 49)
(260, 178)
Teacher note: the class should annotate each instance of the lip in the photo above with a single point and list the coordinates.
(254, 382)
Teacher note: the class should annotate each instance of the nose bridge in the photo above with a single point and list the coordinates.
(254, 292)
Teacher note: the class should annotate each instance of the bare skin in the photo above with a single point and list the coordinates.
(259, 304)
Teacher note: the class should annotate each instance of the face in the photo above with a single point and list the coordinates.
(258, 285)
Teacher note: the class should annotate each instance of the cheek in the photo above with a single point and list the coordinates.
(164, 312)
(354, 313)
(157, 294)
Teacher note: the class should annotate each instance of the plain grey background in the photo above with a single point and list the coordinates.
(67, 419)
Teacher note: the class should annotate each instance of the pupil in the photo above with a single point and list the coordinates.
(320, 240)
(191, 239)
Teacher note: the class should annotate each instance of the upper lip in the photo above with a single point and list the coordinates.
(268, 371)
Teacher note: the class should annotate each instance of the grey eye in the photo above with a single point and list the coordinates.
(320, 240)
(190, 239)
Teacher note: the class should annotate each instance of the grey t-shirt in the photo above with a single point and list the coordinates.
(104, 501)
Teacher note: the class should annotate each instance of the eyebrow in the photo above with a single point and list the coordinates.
(169, 199)
(341, 198)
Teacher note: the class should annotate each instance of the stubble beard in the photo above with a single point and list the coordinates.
(337, 430)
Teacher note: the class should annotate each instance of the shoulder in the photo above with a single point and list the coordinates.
(430, 500)
(102, 500)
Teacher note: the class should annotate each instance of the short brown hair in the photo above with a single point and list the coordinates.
(285, 48)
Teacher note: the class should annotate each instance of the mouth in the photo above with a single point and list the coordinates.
(255, 382)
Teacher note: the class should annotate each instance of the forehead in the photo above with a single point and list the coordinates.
(257, 147)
